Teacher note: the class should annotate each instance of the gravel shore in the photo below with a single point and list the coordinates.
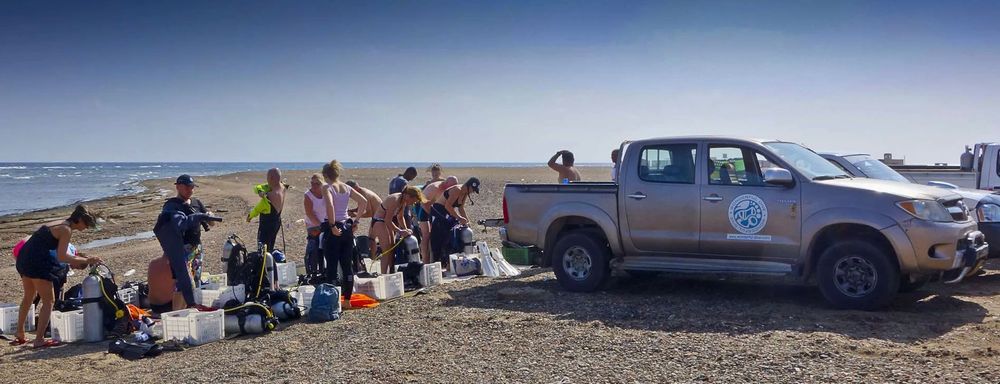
(664, 329)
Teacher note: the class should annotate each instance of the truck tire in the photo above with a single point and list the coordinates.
(580, 262)
(856, 274)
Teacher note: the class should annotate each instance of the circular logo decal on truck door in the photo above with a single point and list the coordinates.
(748, 214)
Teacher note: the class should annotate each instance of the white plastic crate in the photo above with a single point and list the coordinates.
(216, 298)
(384, 287)
(304, 295)
(129, 296)
(67, 327)
(430, 275)
(8, 318)
(214, 281)
(287, 275)
(194, 327)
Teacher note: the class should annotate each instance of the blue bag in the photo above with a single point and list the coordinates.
(325, 305)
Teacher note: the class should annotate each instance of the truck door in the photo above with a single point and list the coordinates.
(660, 199)
(741, 216)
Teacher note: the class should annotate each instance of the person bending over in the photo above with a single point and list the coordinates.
(389, 222)
(38, 269)
(447, 211)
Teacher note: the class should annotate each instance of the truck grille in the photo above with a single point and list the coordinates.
(957, 209)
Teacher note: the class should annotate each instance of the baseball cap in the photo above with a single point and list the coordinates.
(473, 183)
(186, 180)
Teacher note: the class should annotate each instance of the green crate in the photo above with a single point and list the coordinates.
(517, 256)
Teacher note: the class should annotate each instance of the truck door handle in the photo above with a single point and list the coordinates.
(713, 198)
(637, 196)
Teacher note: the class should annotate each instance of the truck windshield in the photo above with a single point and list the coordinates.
(806, 161)
(875, 169)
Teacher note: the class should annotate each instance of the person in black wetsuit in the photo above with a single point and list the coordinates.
(447, 211)
(178, 229)
(270, 219)
(38, 268)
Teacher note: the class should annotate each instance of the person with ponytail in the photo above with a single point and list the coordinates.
(389, 222)
(38, 269)
(338, 228)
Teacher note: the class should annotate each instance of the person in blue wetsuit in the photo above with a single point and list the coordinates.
(178, 229)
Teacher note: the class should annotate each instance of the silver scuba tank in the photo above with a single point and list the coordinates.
(284, 310)
(412, 247)
(93, 315)
(467, 237)
(227, 249)
(252, 324)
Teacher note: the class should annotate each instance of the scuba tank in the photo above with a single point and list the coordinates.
(250, 318)
(271, 270)
(284, 306)
(93, 316)
(412, 249)
(467, 239)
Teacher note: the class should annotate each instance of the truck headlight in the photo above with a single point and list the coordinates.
(929, 210)
(987, 213)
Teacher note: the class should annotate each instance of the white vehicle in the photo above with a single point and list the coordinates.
(985, 172)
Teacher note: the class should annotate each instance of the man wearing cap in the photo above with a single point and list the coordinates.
(399, 182)
(447, 211)
(178, 229)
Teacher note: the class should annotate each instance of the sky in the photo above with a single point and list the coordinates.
(489, 81)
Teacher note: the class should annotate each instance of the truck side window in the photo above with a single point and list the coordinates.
(733, 165)
(669, 163)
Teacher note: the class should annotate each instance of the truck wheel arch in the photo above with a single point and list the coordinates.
(566, 218)
(833, 233)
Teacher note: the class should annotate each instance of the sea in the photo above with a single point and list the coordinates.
(35, 186)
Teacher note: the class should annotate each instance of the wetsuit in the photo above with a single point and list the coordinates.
(35, 259)
(441, 225)
(340, 249)
(179, 233)
(269, 225)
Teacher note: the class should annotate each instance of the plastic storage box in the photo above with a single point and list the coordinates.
(194, 327)
(517, 256)
(287, 275)
(216, 281)
(67, 327)
(430, 275)
(8, 318)
(384, 287)
(217, 298)
(129, 296)
(304, 295)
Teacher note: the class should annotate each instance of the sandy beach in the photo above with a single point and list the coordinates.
(669, 329)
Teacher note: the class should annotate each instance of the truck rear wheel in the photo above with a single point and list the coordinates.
(580, 262)
(856, 274)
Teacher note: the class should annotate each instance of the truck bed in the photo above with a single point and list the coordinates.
(532, 206)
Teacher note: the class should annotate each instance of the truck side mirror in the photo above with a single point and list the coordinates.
(778, 176)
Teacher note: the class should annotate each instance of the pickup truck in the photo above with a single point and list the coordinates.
(718, 205)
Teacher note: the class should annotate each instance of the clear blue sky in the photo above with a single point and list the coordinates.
(489, 81)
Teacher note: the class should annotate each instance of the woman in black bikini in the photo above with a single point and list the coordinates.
(389, 220)
(37, 267)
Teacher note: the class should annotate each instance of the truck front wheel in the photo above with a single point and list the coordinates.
(856, 274)
(580, 262)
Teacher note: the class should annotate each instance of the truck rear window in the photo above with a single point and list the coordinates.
(669, 163)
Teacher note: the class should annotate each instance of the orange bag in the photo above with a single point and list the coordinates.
(137, 313)
(359, 300)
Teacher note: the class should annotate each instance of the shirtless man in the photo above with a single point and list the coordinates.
(374, 201)
(566, 170)
(161, 285)
(431, 190)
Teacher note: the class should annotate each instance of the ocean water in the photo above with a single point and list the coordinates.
(35, 186)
